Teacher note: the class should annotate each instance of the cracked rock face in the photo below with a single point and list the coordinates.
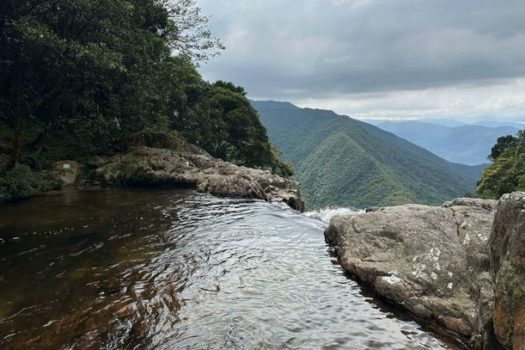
(507, 258)
(433, 261)
(156, 166)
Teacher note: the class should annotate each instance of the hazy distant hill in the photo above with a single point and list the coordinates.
(495, 124)
(466, 144)
(342, 161)
(454, 122)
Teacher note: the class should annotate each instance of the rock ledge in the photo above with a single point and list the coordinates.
(432, 261)
(143, 165)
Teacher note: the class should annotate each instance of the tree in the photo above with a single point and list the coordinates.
(191, 37)
(79, 76)
(501, 145)
(507, 173)
(84, 67)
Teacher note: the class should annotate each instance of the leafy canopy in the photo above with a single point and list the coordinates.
(507, 173)
(77, 76)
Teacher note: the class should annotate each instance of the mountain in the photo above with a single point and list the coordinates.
(466, 144)
(344, 162)
(438, 121)
(496, 123)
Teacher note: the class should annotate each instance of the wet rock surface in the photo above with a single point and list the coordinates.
(143, 165)
(433, 261)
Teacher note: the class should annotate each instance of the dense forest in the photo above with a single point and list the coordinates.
(507, 173)
(342, 161)
(79, 76)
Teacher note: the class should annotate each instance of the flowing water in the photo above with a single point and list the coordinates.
(172, 269)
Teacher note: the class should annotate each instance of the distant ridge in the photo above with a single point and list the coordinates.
(344, 162)
(467, 144)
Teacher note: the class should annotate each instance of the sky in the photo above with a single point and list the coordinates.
(376, 59)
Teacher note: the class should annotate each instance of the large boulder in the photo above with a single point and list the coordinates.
(144, 165)
(66, 172)
(432, 261)
(507, 258)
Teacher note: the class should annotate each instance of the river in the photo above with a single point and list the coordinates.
(174, 269)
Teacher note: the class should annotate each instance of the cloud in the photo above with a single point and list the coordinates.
(334, 50)
(495, 101)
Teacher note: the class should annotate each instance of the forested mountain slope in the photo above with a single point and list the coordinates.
(342, 161)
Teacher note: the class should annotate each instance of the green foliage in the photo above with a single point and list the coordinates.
(84, 69)
(507, 173)
(243, 139)
(22, 182)
(340, 169)
(502, 144)
(193, 40)
(341, 161)
(79, 76)
(281, 167)
(219, 118)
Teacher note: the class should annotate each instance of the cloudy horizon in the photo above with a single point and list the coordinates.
(376, 58)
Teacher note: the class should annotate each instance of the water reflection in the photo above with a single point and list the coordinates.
(176, 269)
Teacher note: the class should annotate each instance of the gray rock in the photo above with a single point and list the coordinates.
(66, 172)
(432, 261)
(154, 166)
(507, 265)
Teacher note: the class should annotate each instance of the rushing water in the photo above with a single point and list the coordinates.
(181, 270)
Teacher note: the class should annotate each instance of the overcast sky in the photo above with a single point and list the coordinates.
(463, 59)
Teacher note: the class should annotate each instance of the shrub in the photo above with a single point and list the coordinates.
(22, 182)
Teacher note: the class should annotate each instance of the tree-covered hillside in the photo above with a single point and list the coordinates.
(507, 173)
(79, 76)
(341, 161)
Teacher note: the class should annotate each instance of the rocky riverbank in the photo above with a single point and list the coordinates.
(461, 265)
(158, 159)
(155, 166)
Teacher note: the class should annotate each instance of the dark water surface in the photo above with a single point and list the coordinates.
(133, 269)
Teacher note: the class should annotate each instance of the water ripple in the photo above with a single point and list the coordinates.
(180, 270)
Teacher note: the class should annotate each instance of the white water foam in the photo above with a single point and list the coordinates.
(327, 214)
